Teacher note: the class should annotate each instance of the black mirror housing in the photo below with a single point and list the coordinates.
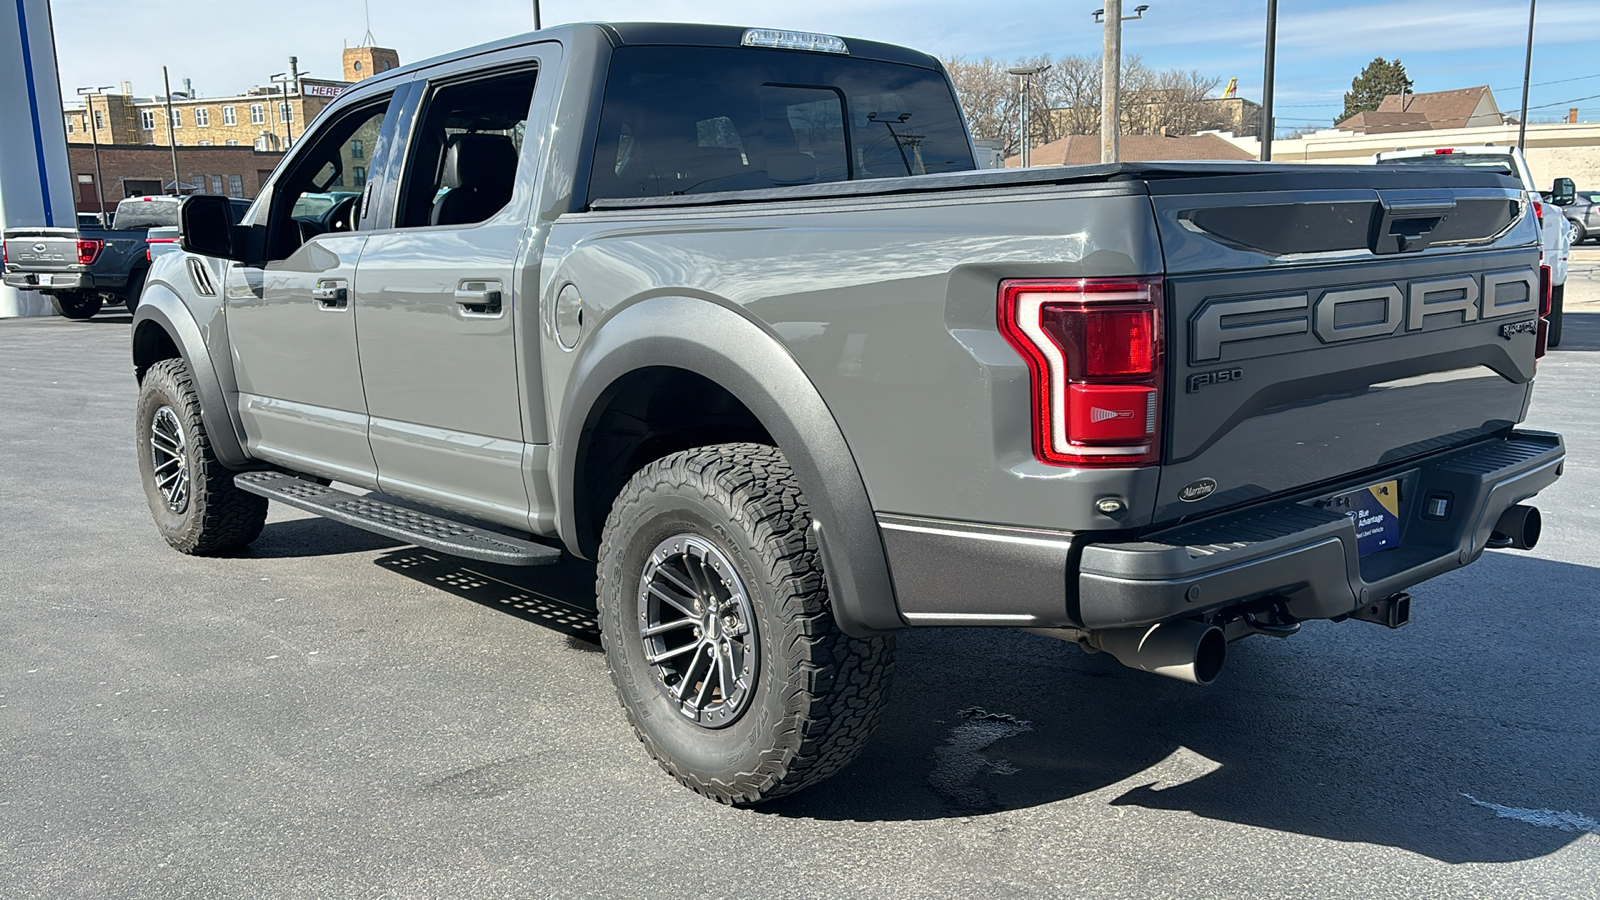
(205, 226)
(1563, 192)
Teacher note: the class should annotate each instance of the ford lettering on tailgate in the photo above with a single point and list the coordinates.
(1347, 314)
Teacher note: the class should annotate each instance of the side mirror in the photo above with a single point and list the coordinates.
(205, 226)
(1563, 192)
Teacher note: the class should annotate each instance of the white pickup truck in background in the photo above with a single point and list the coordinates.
(1553, 227)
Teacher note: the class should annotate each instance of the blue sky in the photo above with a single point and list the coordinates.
(225, 45)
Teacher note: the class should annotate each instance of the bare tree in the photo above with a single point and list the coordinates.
(1066, 99)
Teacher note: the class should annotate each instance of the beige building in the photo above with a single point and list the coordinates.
(1570, 150)
(263, 117)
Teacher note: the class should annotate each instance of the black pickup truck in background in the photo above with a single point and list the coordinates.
(82, 270)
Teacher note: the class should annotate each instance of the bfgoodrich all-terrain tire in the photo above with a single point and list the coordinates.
(76, 305)
(718, 630)
(191, 494)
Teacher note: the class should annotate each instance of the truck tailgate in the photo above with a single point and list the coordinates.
(52, 250)
(1316, 332)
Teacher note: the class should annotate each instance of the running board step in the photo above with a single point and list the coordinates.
(421, 529)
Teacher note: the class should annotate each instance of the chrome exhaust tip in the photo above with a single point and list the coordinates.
(1177, 648)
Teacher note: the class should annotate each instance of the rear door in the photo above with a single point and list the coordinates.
(290, 323)
(443, 301)
(1319, 328)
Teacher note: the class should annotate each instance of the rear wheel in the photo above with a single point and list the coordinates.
(1557, 302)
(1579, 233)
(191, 494)
(76, 305)
(718, 630)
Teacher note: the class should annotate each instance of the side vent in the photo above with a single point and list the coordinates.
(201, 276)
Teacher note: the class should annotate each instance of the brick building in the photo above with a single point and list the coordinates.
(138, 170)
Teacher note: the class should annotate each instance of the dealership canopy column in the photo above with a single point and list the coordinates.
(35, 185)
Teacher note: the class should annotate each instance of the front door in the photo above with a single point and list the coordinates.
(438, 305)
(290, 322)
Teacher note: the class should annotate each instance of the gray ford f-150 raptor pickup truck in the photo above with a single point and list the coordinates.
(729, 312)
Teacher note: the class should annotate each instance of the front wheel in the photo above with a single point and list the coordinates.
(718, 629)
(1579, 233)
(191, 494)
(80, 305)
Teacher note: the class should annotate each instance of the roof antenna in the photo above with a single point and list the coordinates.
(367, 40)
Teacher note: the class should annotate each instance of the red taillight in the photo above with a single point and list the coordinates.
(1094, 354)
(1443, 151)
(5, 254)
(1538, 212)
(89, 251)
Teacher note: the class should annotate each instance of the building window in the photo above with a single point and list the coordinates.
(216, 184)
(202, 117)
(72, 124)
(229, 117)
(285, 114)
(147, 119)
(177, 118)
(202, 143)
(360, 175)
(230, 142)
(235, 186)
(99, 120)
(258, 114)
(357, 151)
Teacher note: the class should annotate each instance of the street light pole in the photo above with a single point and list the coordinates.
(87, 93)
(1025, 75)
(536, 25)
(1527, 72)
(1111, 76)
(1266, 129)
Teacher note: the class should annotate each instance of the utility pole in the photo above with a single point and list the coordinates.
(1266, 129)
(282, 79)
(1527, 72)
(536, 25)
(1111, 76)
(172, 139)
(88, 94)
(1025, 79)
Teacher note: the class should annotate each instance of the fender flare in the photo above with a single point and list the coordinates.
(166, 310)
(732, 351)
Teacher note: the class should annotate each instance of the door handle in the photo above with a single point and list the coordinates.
(331, 294)
(479, 298)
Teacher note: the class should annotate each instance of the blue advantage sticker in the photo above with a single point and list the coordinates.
(1376, 513)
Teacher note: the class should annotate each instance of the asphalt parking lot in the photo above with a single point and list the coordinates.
(336, 715)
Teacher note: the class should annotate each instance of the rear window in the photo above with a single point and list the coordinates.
(138, 214)
(681, 120)
(1496, 162)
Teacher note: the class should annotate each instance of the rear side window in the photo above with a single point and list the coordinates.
(464, 157)
(679, 120)
(139, 214)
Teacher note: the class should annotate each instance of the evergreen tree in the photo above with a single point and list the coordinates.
(1378, 80)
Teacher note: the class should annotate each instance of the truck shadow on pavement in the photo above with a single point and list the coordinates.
(1579, 331)
(1454, 738)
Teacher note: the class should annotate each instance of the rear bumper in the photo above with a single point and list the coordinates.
(55, 282)
(951, 574)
